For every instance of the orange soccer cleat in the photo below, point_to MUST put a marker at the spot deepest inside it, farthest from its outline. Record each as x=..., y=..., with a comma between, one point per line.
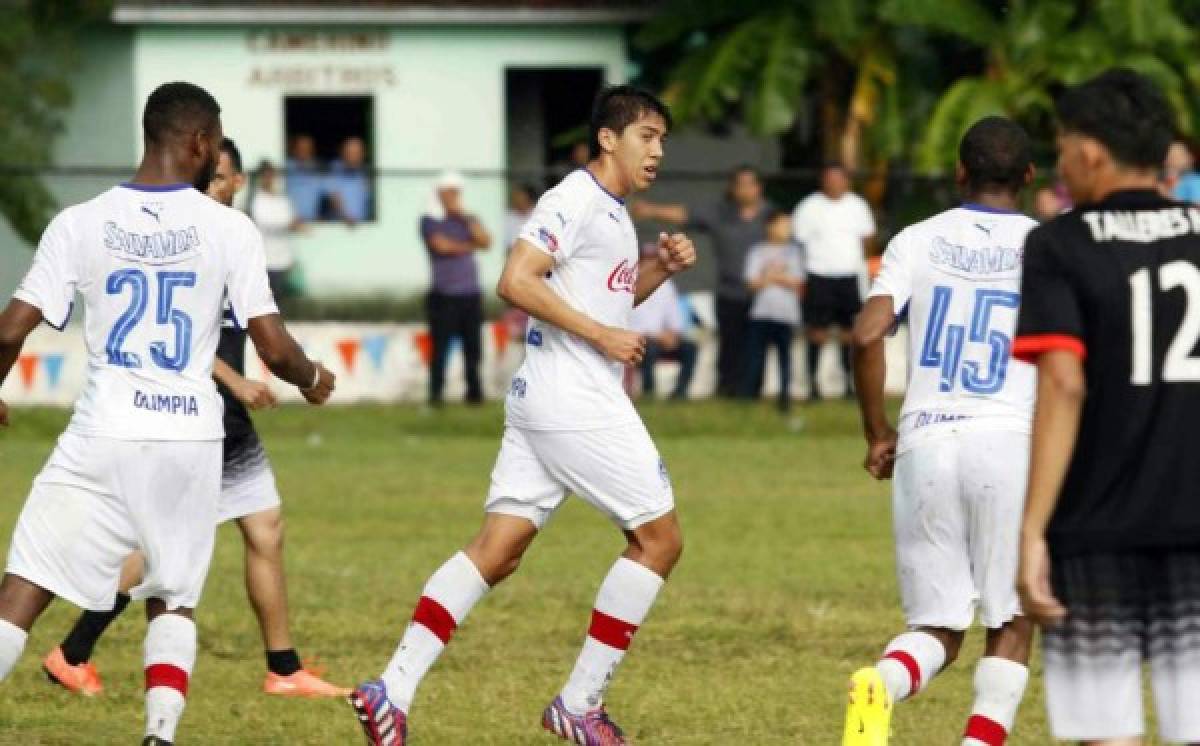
x=303, y=683
x=82, y=679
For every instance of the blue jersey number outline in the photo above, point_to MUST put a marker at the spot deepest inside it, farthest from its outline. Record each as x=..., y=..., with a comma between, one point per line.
x=166, y=314
x=948, y=356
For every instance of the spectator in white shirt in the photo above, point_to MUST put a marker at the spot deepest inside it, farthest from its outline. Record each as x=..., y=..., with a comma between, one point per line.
x=834, y=226
x=521, y=200
x=660, y=320
x=275, y=217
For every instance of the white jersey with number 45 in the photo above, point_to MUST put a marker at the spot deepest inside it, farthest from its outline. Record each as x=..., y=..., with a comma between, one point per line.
x=958, y=275
x=153, y=266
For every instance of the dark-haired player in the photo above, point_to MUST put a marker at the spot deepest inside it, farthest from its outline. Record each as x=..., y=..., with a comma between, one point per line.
x=962, y=452
x=1110, y=544
x=139, y=466
x=570, y=427
x=248, y=496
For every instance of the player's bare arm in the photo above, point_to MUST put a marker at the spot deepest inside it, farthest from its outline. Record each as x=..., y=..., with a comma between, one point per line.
x=284, y=357
x=16, y=322
x=870, y=370
x=523, y=285
x=663, y=213
x=254, y=394
x=1061, y=391
x=676, y=253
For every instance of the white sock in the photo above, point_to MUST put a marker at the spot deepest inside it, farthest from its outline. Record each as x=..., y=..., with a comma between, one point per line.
x=909, y=662
x=999, y=686
x=447, y=599
x=622, y=604
x=12, y=644
x=170, y=655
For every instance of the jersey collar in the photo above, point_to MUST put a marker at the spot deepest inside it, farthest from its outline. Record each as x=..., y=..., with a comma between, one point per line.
x=976, y=207
x=596, y=181
x=155, y=187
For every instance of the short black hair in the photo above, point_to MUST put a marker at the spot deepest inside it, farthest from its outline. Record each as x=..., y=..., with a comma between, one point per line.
x=616, y=107
x=1125, y=111
x=230, y=148
x=996, y=154
x=177, y=108
x=776, y=213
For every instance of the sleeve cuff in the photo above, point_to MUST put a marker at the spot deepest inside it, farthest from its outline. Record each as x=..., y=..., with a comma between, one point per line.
x=1029, y=347
x=47, y=314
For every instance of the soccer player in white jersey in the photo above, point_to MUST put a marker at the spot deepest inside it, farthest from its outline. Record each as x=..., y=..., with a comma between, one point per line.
x=139, y=466
x=962, y=453
x=569, y=428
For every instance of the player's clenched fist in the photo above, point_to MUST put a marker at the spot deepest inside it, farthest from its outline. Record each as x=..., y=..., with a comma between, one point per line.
x=622, y=345
x=321, y=391
x=881, y=455
x=676, y=251
x=255, y=394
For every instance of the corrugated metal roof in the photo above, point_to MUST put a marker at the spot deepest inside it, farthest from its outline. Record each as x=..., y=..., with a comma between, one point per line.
x=400, y=12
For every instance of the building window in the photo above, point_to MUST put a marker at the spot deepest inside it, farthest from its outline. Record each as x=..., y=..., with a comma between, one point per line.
x=330, y=157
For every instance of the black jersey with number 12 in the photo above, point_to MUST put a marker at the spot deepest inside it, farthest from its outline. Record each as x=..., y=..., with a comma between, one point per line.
x=1118, y=283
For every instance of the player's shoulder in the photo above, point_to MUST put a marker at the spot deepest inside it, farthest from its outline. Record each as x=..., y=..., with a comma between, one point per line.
x=572, y=196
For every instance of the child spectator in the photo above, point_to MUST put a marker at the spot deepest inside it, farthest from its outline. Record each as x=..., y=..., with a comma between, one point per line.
x=775, y=276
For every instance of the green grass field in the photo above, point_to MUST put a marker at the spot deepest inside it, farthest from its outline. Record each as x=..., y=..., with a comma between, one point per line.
x=786, y=586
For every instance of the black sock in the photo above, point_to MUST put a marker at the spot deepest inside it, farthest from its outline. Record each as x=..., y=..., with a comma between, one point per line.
x=283, y=662
x=81, y=640
x=814, y=357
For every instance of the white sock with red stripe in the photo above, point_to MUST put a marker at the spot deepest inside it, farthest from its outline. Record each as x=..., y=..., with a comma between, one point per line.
x=999, y=686
x=622, y=604
x=170, y=654
x=909, y=662
x=447, y=599
x=12, y=644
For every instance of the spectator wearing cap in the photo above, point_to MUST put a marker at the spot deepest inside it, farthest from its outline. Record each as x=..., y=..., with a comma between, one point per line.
x=454, y=306
x=660, y=319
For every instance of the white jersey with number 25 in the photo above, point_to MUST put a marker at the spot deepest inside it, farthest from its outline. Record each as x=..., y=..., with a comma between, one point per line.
x=959, y=276
x=153, y=266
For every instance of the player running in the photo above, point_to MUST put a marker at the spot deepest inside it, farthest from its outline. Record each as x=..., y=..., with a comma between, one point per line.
x=248, y=496
x=1110, y=544
x=963, y=449
x=569, y=426
x=139, y=465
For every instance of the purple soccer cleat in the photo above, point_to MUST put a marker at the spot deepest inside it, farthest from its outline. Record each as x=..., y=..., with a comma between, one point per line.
x=383, y=723
x=592, y=729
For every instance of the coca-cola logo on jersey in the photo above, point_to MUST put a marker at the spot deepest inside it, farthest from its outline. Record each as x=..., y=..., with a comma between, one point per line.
x=623, y=277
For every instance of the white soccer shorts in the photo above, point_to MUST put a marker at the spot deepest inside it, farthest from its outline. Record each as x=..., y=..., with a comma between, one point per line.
x=98, y=499
x=617, y=470
x=957, y=505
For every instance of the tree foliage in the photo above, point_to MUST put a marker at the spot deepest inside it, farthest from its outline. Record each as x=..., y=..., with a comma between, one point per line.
x=903, y=79
x=38, y=42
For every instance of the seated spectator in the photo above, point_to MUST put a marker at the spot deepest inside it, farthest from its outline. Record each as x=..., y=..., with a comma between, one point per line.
x=659, y=318
x=455, y=304
x=275, y=217
x=775, y=277
x=304, y=179
x=349, y=183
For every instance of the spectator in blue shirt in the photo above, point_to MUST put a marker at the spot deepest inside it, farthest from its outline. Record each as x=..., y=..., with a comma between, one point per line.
x=304, y=178
x=1179, y=174
x=349, y=183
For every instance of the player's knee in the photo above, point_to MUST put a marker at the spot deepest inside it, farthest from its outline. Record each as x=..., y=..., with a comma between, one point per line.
x=264, y=533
